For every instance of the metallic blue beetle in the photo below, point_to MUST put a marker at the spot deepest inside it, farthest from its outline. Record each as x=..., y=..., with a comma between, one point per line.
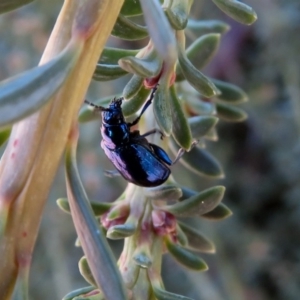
x=137, y=160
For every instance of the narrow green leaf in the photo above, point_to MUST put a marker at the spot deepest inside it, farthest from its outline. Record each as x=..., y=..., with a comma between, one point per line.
x=196, y=240
x=237, y=10
x=132, y=87
x=207, y=26
x=94, y=244
x=199, y=161
x=160, y=31
x=161, y=294
x=197, y=80
x=127, y=30
x=105, y=72
x=4, y=135
x=85, y=271
x=198, y=204
x=78, y=292
x=221, y=212
x=178, y=13
x=162, y=110
x=133, y=105
x=144, y=67
x=99, y=208
x=181, y=131
x=111, y=56
x=8, y=5
x=230, y=92
x=24, y=94
x=201, y=125
x=230, y=113
x=166, y=192
x=186, y=257
x=121, y=231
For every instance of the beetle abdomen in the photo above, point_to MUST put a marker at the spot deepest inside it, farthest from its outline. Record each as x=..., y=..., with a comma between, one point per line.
x=139, y=165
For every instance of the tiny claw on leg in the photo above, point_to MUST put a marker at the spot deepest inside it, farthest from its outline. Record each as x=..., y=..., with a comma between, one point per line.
x=181, y=151
x=111, y=173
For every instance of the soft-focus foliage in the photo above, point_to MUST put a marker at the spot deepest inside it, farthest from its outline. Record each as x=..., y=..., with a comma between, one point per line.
x=257, y=247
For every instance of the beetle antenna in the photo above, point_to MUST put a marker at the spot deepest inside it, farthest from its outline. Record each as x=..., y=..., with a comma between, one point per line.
x=95, y=107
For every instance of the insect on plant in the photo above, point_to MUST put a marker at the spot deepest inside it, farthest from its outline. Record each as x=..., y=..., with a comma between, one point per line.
x=138, y=161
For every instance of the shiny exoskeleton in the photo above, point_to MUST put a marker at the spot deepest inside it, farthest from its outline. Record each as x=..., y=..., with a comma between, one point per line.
x=137, y=160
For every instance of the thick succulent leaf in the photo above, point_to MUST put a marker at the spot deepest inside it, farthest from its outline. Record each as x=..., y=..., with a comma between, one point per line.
x=144, y=67
x=162, y=110
x=178, y=13
x=230, y=92
x=111, y=56
x=198, y=204
x=93, y=242
x=8, y=5
x=133, y=105
x=85, y=271
x=165, y=192
x=127, y=30
x=160, y=31
x=197, y=79
x=105, y=72
x=142, y=260
x=78, y=292
x=132, y=87
x=86, y=114
x=187, y=193
x=24, y=94
x=201, y=125
x=4, y=135
x=207, y=26
x=97, y=207
x=186, y=257
x=161, y=294
x=196, y=240
x=212, y=135
x=181, y=236
x=237, y=10
x=121, y=231
x=230, y=113
x=199, y=161
x=181, y=131
x=219, y=213
x=201, y=107
x=131, y=8
x=201, y=51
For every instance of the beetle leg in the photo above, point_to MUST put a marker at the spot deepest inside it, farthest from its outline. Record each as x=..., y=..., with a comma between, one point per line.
x=181, y=151
x=144, y=108
x=111, y=173
x=95, y=107
x=152, y=132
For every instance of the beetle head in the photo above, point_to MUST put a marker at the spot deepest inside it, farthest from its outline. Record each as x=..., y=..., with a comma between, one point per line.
x=113, y=115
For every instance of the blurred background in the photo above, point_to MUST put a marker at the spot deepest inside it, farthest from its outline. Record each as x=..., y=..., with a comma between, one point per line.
x=258, y=248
